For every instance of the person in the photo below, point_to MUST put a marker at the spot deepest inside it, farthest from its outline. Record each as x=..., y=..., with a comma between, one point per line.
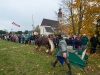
x=84, y=41
x=19, y=38
x=33, y=39
x=73, y=42
x=62, y=47
x=69, y=41
x=94, y=41
x=77, y=42
x=22, y=39
x=29, y=39
x=26, y=39
x=54, y=41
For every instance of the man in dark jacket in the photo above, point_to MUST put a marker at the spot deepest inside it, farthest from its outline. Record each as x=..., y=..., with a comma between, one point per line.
x=55, y=41
x=63, y=53
x=94, y=41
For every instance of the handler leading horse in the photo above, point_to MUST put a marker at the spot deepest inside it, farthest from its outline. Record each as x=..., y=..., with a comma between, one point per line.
x=44, y=41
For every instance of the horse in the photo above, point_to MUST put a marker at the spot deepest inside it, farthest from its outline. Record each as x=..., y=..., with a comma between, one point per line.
x=46, y=42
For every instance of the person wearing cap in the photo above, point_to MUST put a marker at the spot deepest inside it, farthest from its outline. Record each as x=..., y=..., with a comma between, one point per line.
x=63, y=53
x=84, y=41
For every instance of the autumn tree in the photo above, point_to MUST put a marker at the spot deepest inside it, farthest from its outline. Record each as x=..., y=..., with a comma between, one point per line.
x=37, y=29
x=82, y=15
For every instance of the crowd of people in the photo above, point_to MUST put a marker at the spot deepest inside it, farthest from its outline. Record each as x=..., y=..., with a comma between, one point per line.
x=24, y=39
x=79, y=42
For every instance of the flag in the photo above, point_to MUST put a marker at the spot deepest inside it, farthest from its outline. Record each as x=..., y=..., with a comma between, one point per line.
x=15, y=24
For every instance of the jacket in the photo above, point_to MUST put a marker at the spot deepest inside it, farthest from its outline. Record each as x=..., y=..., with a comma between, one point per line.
x=94, y=41
x=84, y=40
x=62, y=47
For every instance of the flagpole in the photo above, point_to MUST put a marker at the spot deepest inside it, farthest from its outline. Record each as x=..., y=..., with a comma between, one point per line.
x=12, y=29
x=33, y=23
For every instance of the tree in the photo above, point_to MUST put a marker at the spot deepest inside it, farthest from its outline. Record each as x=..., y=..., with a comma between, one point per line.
x=82, y=15
x=69, y=15
x=19, y=32
x=37, y=29
x=26, y=32
x=15, y=32
x=3, y=32
x=0, y=31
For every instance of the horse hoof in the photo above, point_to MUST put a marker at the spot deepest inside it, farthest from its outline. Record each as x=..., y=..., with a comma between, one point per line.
x=47, y=51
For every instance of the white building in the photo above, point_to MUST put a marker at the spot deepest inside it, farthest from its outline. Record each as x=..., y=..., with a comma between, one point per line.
x=48, y=26
x=46, y=30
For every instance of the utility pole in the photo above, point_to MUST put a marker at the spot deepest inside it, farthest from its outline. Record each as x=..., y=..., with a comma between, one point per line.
x=33, y=24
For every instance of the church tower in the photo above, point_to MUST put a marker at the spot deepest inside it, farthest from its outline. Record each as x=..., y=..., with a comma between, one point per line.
x=60, y=19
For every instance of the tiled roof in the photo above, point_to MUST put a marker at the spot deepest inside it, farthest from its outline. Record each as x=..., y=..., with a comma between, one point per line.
x=52, y=23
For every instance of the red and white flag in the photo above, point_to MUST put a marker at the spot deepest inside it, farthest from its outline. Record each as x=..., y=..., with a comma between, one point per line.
x=15, y=24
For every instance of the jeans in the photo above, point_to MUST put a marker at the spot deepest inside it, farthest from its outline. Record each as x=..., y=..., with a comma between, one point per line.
x=84, y=47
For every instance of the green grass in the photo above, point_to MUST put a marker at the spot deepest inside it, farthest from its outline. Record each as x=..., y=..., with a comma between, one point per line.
x=20, y=59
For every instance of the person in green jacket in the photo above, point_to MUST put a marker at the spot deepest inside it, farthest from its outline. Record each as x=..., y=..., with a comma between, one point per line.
x=62, y=54
x=26, y=39
x=84, y=41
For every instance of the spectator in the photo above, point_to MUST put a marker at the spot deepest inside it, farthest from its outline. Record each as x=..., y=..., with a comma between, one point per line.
x=73, y=42
x=19, y=38
x=84, y=41
x=56, y=41
x=14, y=38
x=33, y=39
x=77, y=42
x=69, y=40
x=29, y=39
x=26, y=39
x=22, y=39
x=94, y=41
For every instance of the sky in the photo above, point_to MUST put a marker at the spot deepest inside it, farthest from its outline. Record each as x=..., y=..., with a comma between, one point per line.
x=21, y=11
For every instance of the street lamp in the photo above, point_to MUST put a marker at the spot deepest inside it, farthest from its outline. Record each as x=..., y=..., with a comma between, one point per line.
x=98, y=26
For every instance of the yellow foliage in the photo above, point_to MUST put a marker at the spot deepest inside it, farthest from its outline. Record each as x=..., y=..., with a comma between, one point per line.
x=89, y=11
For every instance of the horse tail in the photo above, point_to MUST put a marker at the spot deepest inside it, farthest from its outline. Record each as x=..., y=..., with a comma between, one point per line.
x=51, y=45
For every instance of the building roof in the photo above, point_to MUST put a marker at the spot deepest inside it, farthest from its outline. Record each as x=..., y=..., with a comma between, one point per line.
x=52, y=23
x=49, y=29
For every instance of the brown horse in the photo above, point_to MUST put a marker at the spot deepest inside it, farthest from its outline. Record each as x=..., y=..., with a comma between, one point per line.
x=44, y=41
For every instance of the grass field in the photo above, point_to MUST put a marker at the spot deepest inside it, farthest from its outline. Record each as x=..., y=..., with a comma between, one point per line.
x=20, y=59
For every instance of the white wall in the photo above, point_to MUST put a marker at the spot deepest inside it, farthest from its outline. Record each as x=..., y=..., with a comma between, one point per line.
x=43, y=30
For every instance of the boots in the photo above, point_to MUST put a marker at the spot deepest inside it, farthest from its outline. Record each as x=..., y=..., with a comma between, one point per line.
x=69, y=72
x=54, y=63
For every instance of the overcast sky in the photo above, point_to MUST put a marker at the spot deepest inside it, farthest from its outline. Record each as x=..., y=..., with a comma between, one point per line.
x=21, y=11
